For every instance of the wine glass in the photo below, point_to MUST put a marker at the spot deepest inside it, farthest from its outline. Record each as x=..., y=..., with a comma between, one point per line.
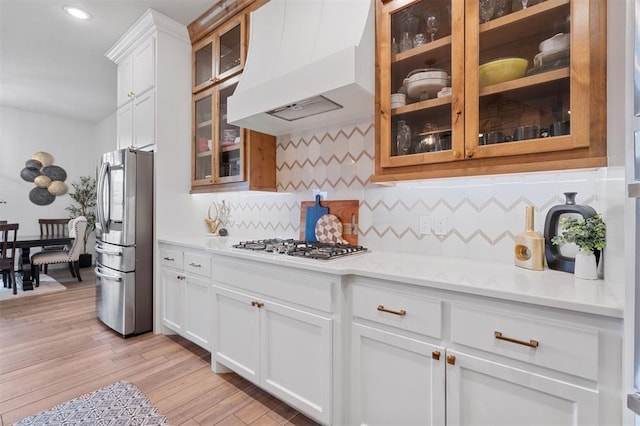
x=432, y=25
x=525, y=3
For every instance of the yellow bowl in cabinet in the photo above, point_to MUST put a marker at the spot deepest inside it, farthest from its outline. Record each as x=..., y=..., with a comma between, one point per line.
x=502, y=70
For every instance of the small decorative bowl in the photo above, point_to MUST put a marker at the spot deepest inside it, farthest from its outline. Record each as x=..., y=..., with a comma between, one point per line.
x=502, y=70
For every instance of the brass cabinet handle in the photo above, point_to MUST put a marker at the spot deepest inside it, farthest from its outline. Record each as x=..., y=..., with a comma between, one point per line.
x=456, y=153
x=470, y=153
x=451, y=359
x=195, y=265
x=170, y=259
x=401, y=312
x=257, y=304
x=435, y=355
x=531, y=343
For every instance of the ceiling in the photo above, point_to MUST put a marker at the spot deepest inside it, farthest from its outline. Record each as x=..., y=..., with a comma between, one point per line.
x=53, y=64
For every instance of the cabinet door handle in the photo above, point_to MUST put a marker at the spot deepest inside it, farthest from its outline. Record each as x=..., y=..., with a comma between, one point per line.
x=195, y=265
x=170, y=259
x=435, y=355
x=470, y=153
x=401, y=312
x=257, y=304
x=180, y=277
x=531, y=343
x=451, y=359
x=456, y=153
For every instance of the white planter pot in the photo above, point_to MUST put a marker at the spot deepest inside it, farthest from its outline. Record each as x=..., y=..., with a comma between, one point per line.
x=585, y=266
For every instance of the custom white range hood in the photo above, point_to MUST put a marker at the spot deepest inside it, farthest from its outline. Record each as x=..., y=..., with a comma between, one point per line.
x=310, y=63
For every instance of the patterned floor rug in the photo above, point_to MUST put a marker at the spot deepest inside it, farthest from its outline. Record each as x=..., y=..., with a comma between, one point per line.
x=120, y=404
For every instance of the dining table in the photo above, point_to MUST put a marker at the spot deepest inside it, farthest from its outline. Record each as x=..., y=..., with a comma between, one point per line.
x=26, y=242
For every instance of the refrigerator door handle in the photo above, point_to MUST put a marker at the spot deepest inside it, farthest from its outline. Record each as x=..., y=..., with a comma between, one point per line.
x=110, y=252
x=107, y=276
x=103, y=205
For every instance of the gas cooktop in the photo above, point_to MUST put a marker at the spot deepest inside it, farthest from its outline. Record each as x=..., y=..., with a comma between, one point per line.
x=308, y=249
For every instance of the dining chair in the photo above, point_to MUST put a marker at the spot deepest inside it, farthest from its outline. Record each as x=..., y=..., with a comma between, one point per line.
x=54, y=227
x=77, y=227
x=9, y=232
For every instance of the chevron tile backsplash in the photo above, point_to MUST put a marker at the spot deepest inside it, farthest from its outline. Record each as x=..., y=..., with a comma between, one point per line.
x=481, y=214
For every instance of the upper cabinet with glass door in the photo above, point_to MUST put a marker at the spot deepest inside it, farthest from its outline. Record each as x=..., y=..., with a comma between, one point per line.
x=503, y=86
x=220, y=55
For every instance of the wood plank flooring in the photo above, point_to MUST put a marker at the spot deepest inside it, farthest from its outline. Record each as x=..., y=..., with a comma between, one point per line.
x=53, y=348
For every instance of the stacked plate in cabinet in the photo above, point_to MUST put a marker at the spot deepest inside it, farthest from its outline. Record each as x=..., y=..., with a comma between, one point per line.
x=555, y=52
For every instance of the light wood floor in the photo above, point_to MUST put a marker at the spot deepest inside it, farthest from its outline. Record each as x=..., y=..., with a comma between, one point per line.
x=53, y=348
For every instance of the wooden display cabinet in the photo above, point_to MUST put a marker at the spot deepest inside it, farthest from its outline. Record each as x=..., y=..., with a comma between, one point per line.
x=472, y=130
x=225, y=157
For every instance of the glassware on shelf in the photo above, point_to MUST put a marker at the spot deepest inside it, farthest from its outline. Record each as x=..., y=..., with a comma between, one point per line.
x=403, y=138
x=419, y=39
x=501, y=8
x=405, y=42
x=487, y=9
x=395, y=48
x=525, y=3
x=433, y=24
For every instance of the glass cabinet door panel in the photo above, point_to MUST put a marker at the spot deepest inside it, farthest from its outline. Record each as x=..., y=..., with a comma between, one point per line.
x=420, y=86
x=230, y=48
x=203, y=138
x=524, y=90
x=229, y=140
x=203, y=66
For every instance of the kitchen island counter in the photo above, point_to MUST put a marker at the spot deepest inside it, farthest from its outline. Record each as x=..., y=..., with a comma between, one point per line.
x=500, y=280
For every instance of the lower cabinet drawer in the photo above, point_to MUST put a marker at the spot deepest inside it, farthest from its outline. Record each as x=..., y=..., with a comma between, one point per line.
x=171, y=258
x=197, y=264
x=558, y=346
x=401, y=310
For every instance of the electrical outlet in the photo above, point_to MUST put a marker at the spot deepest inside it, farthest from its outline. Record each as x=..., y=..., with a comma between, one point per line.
x=425, y=225
x=440, y=225
x=323, y=194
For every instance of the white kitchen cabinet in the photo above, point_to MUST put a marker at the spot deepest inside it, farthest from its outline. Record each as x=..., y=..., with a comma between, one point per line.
x=186, y=290
x=396, y=379
x=418, y=353
x=269, y=337
x=173, y=300
x=136, y=72
x=153, y=75
x=485, y=392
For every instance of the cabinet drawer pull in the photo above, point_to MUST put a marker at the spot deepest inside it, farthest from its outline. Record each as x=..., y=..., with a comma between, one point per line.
x=531, y=343
x=195, y=265
x=435, y=355
x=257, y=304
x=401, y=312
x=170, y=259
x=451, y=359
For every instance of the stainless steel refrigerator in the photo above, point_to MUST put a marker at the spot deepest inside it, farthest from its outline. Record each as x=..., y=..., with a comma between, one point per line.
x=124, y=241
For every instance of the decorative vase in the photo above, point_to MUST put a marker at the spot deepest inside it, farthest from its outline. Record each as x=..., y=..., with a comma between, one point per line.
x=585, y=266
x=555, y=259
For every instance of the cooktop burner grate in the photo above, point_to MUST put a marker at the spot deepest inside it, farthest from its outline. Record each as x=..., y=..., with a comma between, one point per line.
x=308, y=249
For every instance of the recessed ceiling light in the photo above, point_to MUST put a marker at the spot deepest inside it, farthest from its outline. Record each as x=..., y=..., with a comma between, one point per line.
x=77, y=12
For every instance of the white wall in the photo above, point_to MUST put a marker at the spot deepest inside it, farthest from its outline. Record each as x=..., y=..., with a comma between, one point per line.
x=22, y=134
x=105, y=136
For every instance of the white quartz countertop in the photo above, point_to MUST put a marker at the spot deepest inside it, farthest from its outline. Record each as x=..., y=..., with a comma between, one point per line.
x=500, y=280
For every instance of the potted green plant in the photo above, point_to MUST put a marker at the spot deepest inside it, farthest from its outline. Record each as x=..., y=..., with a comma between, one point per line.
x=84, y=195
x=589, y=235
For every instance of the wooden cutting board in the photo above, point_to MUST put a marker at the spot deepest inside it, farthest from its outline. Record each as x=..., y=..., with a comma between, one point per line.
x=345, y=210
